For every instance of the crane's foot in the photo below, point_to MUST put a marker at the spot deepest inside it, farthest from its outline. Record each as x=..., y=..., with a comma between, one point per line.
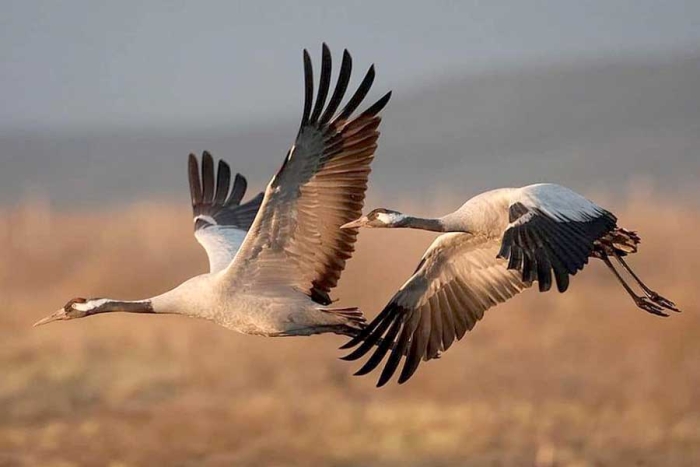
x=649, y=306
x=662, y=301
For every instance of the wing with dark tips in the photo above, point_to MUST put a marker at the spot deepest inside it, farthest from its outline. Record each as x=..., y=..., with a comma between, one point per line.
x=552, y=231
x=296, y=239
x=220, y=221
x=458, y=279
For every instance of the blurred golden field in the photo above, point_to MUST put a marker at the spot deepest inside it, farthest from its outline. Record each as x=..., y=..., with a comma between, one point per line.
x=580, y=379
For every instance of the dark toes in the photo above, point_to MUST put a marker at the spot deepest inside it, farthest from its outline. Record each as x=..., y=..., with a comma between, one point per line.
x=650, y=307
x=664, y=302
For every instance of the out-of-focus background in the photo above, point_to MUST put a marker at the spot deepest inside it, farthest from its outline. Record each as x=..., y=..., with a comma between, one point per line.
x=101, y=103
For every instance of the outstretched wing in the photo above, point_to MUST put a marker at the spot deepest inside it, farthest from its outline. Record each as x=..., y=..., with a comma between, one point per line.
x=458, y=279
x=552, y=229
x=296, y=239
x=220, y=220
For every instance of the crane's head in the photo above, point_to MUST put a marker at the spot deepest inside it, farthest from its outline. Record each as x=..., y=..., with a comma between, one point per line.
x=378, y=218
x=75, y=308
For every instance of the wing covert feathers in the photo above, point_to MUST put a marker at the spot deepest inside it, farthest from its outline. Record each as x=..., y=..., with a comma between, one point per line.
x=214, y=200
x=458, y=279
x=296, y=238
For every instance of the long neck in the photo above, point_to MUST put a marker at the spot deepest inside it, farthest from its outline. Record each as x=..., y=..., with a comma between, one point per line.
x=422, y=223
x=453, y=222
x=191, y=298
x=108, y=305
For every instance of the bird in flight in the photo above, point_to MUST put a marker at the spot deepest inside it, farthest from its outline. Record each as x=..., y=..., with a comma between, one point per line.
x=493, y=247
x=274, y=260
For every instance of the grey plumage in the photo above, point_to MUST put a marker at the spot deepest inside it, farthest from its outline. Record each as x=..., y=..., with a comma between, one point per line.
x=278, y=282
x=220, y=200
x=220, y=220
x=296, y=238
x=498, y=244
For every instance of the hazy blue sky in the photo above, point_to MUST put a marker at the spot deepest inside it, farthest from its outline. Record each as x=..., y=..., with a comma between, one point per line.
x=78, y=64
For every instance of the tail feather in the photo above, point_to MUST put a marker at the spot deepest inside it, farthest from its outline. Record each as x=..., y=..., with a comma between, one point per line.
x=625, y=241
x=352, y=316
x=619, y=241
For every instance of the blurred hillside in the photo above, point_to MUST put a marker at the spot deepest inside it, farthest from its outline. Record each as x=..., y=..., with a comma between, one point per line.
x=595, y=124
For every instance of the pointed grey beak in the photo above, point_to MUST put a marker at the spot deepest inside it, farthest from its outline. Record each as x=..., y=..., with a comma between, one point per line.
x=356, y=223
x=58, y=316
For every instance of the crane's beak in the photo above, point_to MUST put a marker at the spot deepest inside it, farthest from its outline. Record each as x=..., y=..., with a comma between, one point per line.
x=361, y=222
x=58, y=316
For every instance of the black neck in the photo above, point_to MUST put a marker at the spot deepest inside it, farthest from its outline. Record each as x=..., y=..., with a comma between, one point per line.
x=433, y=225
x=124, y=306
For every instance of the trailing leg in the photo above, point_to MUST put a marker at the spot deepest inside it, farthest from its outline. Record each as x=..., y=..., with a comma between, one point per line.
x=655, y=297
x=642, y=302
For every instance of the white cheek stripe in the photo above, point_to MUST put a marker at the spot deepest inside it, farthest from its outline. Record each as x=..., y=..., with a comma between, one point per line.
x=387, y=218
x=90, y=305
x=384, y=218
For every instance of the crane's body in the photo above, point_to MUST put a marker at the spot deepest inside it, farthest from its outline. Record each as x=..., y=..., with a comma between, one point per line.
x=278, y=311
x=274, y=313
x=483, y=213
x=488, y=213
x=494, y=246
x=274, y=259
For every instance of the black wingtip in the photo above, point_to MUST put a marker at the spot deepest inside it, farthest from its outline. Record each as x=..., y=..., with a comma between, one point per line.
x=377, y=106
x=308, y=88
x=382, y=348
x=385, y=377
x=406, y=374
x=240, y=185
x=352, y=342
x=192, y=168
x=359, y=95
x=207, y=177
x=324, y=83
x=193, y=176
x=207, y=159
x=368, y=340
x=223, y=182
x=410, y=365
x=371, y=363
x=340, y=87
x=382, y=382
x=354, y=355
